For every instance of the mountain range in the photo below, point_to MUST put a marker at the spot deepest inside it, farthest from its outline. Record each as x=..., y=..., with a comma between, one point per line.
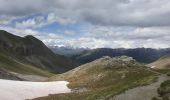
x=93, y=74
x=142, y=55
x=67, y=50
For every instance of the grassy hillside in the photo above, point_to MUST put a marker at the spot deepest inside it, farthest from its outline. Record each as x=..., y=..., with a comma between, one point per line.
x=103, y=78
x=13, y=65
x=29, y=55
x=162, y=63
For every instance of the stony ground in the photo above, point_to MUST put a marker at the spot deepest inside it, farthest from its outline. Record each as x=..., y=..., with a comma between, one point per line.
x=7, y=75
x=34, y=78
x=143, y=92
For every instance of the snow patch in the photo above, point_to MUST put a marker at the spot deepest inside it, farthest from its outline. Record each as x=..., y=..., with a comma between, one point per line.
x=153, y=66
x=21, y=90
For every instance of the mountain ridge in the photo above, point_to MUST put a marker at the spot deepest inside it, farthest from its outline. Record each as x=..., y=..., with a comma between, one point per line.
x=142, y=55
x=29, y=52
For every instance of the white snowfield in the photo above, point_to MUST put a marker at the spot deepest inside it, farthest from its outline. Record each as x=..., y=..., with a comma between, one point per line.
x=22, y=90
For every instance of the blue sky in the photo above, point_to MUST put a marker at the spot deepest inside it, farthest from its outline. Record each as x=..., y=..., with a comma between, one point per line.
x=91, y=23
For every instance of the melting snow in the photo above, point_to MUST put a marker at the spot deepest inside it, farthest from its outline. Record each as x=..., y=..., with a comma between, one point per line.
x=153, y=66
x=21, y=90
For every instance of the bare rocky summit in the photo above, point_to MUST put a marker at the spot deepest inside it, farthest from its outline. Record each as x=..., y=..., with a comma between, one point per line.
x=111, y=62
x=118, y=61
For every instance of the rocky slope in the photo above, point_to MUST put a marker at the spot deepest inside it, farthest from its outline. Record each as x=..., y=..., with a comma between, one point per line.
x=7, y=75
x=28, y=55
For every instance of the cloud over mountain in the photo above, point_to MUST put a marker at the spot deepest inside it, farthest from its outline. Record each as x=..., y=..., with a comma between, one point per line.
x=96, y=23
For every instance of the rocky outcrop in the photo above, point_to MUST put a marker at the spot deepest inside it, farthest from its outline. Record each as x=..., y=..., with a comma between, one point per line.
x=21, y=49
x=120, y=61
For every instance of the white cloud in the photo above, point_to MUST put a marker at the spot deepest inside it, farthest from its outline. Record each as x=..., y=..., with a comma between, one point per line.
x=52, y=17
x=40, y=21
x=99, y=37
x=69, y=32
x=109, y=23
x=143, y=13
x=35, y=22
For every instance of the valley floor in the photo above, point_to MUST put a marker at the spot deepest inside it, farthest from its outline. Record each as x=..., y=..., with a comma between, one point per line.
x=21, y=90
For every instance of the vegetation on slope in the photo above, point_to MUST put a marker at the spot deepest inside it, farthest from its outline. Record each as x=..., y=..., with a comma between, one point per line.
x=103, y=78
x=143, y=55
x=29, y=55
x=162, y=63
x=163, y=71
x=164, y=91
x=13, y=65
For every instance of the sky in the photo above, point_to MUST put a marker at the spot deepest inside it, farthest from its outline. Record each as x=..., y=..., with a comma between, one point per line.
x=90, y=23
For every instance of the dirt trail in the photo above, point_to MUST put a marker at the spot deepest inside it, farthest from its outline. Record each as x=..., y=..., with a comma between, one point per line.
x=142, y=92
